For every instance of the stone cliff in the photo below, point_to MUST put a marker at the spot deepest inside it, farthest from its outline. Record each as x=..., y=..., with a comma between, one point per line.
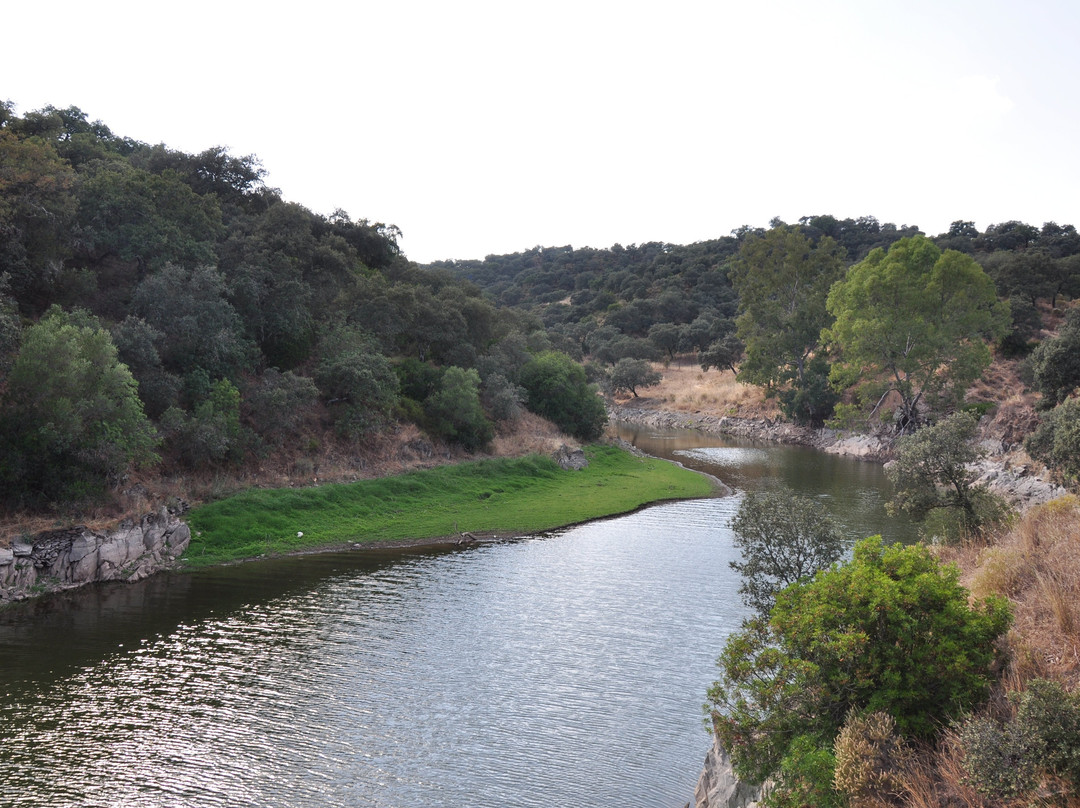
x=62, y=559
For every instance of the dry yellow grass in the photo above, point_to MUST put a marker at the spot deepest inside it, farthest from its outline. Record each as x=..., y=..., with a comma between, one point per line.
x=685, y=387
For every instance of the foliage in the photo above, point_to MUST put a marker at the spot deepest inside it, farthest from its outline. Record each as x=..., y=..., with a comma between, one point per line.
x=1056, y=441
x=356, y=382
x=723, y=354
x=501, y=398
x=783, y=538
x=891, y=630
x=913, y=321
x=812, y=401
x=71, y=419
x=276, y=404
x=1055, y=362
x=932, y=474
x=453, y=412
x=556, y=389
x=506, y=496
x=1043, y=738
x=630, y=374
x=783, y=279
x=211, y=435
x=200, y=329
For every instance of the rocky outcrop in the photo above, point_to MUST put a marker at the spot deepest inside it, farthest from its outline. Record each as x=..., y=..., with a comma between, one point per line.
x=62, y=559
x=571, y=459
x=757, y=428
x=718, y=787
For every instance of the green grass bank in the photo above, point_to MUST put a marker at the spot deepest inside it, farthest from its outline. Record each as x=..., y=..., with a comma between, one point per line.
x=515, y=496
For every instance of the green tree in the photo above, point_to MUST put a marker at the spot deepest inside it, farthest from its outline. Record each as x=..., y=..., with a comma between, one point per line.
x=71, y=419
x=783, y=278
x=556, y=388
x=933, y=479
x=891, y=630
x=453, y=412
x=630, y=374
x=913, y=321
x=1056, y=441
x=724, y=354
x=783, y=538
x=355, y=380
x=210, y=436
x=1055, y=362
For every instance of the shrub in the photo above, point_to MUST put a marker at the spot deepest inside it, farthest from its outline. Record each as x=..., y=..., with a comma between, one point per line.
x=1043, y=738
x=870, y=759
x=1056, y=441
x=454, y=413
x=556, y=389
x=891, y=630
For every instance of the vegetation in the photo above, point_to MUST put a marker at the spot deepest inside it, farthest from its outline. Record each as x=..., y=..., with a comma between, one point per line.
x=503, y=496
x=913, y=321
x=934, y=480
x=783, y=538
x=889, y=631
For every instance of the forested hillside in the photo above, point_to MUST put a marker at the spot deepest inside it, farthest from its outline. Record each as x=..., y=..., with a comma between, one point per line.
x=170, y=311
x=851, y=322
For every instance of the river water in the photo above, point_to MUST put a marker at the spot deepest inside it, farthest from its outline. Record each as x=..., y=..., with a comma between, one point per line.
x=563, y=670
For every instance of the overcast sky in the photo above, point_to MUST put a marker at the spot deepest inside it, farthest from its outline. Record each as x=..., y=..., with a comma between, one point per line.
x=492, y=127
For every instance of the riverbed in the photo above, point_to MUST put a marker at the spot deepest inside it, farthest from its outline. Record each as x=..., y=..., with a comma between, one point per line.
x=566, y=669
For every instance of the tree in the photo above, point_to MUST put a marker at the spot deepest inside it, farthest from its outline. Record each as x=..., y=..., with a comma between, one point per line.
x=453, y=412
x=891, y=630
x=556, y=388
x=1055, y=362
x=724, y=354
x=357, y=383
x=71, y=420
x=630, y=374
x=1056, y=441
x=913, y=321
x=783, y=538
x=212, y=434
x=783, y=279
x=933, y=477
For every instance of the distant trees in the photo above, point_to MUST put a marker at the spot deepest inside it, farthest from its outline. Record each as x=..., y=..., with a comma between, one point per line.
x=913, y=321
x=630, y=374
x=1055, y=363
x=783, y=279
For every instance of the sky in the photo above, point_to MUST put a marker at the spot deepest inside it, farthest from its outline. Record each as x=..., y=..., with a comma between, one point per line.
x=483, y=128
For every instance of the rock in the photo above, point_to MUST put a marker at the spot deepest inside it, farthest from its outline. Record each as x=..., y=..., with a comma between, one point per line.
x=570, y=459
x=76, y=556
x=718, y=787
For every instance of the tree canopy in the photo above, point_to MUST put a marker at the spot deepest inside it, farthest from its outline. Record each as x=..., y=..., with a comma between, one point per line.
x=913, y=321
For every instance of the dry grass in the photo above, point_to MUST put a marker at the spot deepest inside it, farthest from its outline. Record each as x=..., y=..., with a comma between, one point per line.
x=685, y=387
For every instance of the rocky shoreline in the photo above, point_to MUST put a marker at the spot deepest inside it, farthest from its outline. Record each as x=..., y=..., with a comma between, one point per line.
x=71, y=557
x=1003, y=469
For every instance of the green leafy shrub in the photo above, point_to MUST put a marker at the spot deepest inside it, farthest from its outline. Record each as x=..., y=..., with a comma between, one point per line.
x=1056, y=441
x=210, y=436
x=891, y=630
x=1043, y=738
x=556, y=389
x=453, y=412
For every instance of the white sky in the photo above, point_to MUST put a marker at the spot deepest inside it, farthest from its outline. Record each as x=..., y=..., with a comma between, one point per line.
x=491, y=127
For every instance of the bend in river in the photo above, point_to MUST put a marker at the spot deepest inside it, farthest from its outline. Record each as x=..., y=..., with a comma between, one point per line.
x=559, y=670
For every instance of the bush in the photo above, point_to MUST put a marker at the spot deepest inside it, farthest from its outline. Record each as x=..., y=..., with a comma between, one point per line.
x=453, y=412
x=1056, y=441
x=556, y=389
x=278, y=402
x=870, y=759
x=212, y=434
x=1055, y=363
x=890, y=631
x=1043, y=738
x=71, y=420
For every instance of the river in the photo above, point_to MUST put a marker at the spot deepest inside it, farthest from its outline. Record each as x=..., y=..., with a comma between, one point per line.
x=563, y=670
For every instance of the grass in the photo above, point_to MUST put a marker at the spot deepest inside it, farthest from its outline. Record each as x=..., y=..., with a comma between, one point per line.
x=524, y=495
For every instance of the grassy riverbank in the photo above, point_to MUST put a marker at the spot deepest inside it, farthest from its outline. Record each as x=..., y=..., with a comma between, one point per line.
x=523, y=495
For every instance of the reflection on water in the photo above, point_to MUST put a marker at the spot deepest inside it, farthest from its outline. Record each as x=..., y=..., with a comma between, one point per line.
x=560, y=670
x=854, y=492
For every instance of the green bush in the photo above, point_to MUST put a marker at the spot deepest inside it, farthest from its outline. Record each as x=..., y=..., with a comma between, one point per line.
x=453, y=412
x=1056, y=441
x=891, y=630
x=556, y=389
x=1043, y=738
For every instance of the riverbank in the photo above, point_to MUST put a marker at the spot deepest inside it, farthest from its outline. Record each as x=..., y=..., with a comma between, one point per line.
x=459, y=503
